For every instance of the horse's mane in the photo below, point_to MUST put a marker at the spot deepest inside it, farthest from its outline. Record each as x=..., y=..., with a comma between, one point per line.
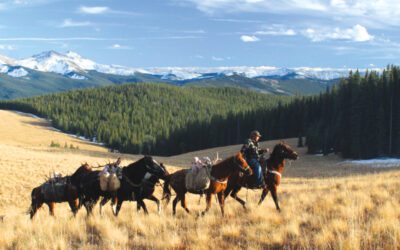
x=84, y=168
x=275, y=150
x=223, y=162
x=138, y=162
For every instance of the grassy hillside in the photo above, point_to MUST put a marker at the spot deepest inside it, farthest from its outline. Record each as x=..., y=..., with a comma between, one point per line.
x=342, y=207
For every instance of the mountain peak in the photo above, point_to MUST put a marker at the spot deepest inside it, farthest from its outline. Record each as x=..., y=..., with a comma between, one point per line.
x=47, y=54
x=72, y=54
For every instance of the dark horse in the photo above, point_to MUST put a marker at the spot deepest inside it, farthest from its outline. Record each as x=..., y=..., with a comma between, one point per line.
x=69, y=193
x=220, y=174
x=138, y=182
x=88, y=184
x=272, y=171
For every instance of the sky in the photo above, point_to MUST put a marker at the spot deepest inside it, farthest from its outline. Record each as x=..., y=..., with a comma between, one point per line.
x=207, y=33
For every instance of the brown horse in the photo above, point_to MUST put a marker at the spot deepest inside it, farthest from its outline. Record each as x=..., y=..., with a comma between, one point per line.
x=272, y=170
x=220, y=173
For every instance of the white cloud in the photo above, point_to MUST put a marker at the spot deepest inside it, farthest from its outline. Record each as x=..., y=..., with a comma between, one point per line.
x=213, y=6
x=217, y=58
x=119, y=46
x=248, y=39
x=357, y=33
x=194, y=31
x=51, y=39
x=13, y=4
x=70, y=23
x=276, y=31
x=7, y=47
x=93, y=10
x=360, y=11
x=229, y=20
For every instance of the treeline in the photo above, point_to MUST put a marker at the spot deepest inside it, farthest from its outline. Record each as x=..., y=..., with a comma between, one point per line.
x=150, y=118
x=358, y=118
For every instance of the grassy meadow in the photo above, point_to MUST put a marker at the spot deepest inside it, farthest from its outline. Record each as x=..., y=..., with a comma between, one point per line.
x=326, y=204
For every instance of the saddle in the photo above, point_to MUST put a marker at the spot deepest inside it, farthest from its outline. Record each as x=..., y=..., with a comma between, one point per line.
x=197, y=178
x=54, y=188
x=110, y=180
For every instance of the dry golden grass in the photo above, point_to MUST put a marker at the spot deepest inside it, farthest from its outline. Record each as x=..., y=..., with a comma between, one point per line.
x=324, y=205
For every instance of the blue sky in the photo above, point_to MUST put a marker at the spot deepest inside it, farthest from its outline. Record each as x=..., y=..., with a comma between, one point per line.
x=152, y=33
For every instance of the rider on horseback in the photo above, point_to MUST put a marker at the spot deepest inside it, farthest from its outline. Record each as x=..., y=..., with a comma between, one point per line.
x=252, y=154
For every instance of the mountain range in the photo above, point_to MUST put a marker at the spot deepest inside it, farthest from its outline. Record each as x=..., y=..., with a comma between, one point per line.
x=52, y=71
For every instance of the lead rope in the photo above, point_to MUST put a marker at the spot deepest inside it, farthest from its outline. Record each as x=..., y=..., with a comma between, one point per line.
x=247, y=193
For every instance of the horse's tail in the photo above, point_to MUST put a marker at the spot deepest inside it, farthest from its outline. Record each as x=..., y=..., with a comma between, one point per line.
x=166, y=190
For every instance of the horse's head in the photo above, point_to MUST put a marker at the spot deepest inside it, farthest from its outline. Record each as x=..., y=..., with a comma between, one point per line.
x=282, y=150
x=242, y=163
x=155, y=168
x=83, y=169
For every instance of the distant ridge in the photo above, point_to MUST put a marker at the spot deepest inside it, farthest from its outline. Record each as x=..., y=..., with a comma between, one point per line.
x=52, y=71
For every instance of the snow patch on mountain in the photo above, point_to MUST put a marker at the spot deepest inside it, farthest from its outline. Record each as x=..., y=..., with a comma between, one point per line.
x=376, y=163
x=77, y=77
x=18, y=72
x=3, y=69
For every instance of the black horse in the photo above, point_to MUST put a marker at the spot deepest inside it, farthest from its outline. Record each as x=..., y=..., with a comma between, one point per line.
x=138, y=182
x=88, y=184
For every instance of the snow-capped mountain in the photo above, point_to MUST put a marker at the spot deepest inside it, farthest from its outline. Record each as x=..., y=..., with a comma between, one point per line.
x=71, y=62
x=51, y=71
x=52, y=61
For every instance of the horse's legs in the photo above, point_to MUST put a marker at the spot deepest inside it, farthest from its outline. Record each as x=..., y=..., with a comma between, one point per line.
x=103, y=202
x=175, y=201
x=34, y=207
x=183, y=203
x=208, y=201
x=51, y=207
x=263, y=195
x=153, y=198
x=74, y=205
x=275, y=197
x=221, y=200
x=89, y=204
x=117, y=207
x=143, y=205
x=114, y=204
x=234, y=193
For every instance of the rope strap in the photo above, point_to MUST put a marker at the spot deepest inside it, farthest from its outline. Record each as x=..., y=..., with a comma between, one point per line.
x=275, y=172
x=219, y=181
